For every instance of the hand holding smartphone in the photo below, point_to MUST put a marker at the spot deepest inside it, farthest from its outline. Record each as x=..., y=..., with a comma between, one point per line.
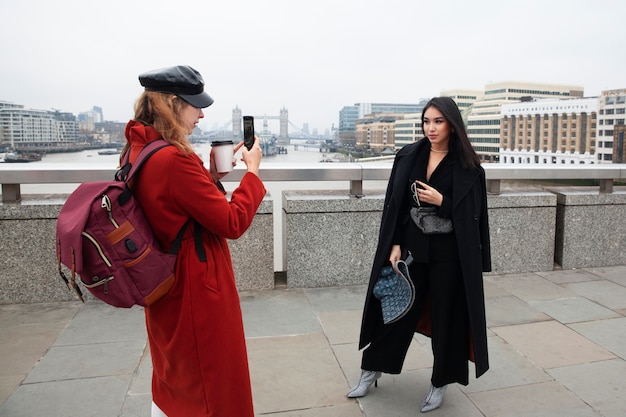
x=248, y=131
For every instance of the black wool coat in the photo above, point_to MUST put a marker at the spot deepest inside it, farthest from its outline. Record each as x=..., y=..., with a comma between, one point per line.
x=469, y=215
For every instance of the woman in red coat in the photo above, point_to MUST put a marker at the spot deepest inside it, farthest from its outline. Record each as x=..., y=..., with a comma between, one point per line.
x=443, y=172
x=197, y=343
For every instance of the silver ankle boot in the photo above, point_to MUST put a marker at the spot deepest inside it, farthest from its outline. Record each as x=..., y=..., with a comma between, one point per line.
x=362, y=388
x=433, y=399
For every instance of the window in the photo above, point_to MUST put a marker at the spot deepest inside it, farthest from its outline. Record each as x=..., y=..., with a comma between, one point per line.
x=619, y=121
x=621, y=110
x=610, y=111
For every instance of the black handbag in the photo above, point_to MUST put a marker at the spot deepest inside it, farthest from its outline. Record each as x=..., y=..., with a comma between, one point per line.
x=426, y=219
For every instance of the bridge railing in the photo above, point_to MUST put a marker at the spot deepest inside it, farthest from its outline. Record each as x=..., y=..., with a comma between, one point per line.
x=13, y=176
x=318, y=225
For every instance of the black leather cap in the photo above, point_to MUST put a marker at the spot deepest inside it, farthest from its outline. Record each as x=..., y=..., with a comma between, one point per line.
x=182, y=80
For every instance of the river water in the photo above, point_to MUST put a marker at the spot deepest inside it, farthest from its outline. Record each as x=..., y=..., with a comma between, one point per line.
x=303, y=155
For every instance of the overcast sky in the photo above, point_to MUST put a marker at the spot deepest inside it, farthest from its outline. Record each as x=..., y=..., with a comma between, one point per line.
x=312, y=57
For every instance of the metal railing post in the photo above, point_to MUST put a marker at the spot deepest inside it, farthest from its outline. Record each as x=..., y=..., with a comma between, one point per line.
x=356, y=188
x=606, y=186
x=11, y=193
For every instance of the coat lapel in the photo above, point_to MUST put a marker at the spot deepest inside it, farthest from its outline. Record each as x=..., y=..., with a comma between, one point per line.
x=463, y=180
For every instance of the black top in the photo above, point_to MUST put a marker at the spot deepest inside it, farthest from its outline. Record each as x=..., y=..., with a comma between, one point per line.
x=428, y=248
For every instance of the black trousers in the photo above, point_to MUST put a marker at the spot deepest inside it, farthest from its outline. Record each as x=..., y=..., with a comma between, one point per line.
x=443, y=283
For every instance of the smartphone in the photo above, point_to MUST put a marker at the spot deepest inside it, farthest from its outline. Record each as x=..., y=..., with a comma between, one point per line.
x=248, y=131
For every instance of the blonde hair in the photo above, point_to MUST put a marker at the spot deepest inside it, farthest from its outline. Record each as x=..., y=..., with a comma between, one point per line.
x=163, y=112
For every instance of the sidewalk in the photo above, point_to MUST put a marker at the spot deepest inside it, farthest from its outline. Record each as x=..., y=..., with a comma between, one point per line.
x=557, y=345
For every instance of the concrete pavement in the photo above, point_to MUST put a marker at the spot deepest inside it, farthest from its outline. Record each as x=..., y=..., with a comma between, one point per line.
x=557, y=344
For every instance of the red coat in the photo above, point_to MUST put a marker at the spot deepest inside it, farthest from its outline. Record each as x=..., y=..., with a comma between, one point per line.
x=196, y=331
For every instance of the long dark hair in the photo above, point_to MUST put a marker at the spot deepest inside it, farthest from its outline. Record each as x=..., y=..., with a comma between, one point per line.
x=459, y=141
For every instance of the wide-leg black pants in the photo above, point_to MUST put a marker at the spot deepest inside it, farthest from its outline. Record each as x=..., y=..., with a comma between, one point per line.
x=450, y=338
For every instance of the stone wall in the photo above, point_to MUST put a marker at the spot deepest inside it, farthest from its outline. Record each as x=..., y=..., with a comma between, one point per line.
x=29, y=267
x=522, y=228
x=591, y=229
x=331, y=237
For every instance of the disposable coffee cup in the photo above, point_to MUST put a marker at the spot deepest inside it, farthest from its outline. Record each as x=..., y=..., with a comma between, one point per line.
x=223, y=154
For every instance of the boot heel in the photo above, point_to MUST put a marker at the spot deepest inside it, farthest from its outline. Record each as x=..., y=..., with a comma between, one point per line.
x=365, y=382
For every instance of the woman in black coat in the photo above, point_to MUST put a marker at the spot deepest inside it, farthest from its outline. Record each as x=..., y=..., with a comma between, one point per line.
x=442, y=171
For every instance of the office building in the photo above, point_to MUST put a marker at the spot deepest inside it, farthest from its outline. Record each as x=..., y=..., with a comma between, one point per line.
x=377, y=132
x=348, y=115
x=87, y=120
x=22, y=128
x=483, y=122
x=408, y=130
x=612, y=112
x=464, y=99
x=549, y=131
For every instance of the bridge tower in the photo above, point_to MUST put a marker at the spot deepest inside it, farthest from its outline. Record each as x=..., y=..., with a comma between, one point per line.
x=283, y=118
x=237, y=122
x=284, y=126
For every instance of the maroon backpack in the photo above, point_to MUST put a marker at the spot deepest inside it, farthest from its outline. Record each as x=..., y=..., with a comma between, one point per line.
x=103, y=236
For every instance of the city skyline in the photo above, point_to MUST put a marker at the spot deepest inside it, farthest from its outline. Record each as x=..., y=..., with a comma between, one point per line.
x=312, y=59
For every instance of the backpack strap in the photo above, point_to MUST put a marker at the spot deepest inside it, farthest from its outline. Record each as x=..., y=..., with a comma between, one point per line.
x=197, y=237
x=129, y=170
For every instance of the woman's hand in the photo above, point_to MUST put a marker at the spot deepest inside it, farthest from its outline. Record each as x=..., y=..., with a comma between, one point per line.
x=428, y=194
x=252, y=157
x=394, y=256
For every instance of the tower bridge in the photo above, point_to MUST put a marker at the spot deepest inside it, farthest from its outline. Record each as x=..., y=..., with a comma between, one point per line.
x=284, y=124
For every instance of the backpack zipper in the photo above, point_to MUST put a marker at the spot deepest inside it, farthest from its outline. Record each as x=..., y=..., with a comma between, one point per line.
x=98, y=248
x=106, y=204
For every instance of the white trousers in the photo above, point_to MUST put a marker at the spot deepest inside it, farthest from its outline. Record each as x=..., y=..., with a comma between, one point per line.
x=156, y=411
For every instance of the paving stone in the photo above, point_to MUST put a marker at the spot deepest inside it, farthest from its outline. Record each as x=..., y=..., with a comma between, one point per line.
x=508, y=310
x=606, y=293
x=602, y=385
x=573, y=310
x=531, y=287
x=551, y=344
x=610, y=334
x=545, y=399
